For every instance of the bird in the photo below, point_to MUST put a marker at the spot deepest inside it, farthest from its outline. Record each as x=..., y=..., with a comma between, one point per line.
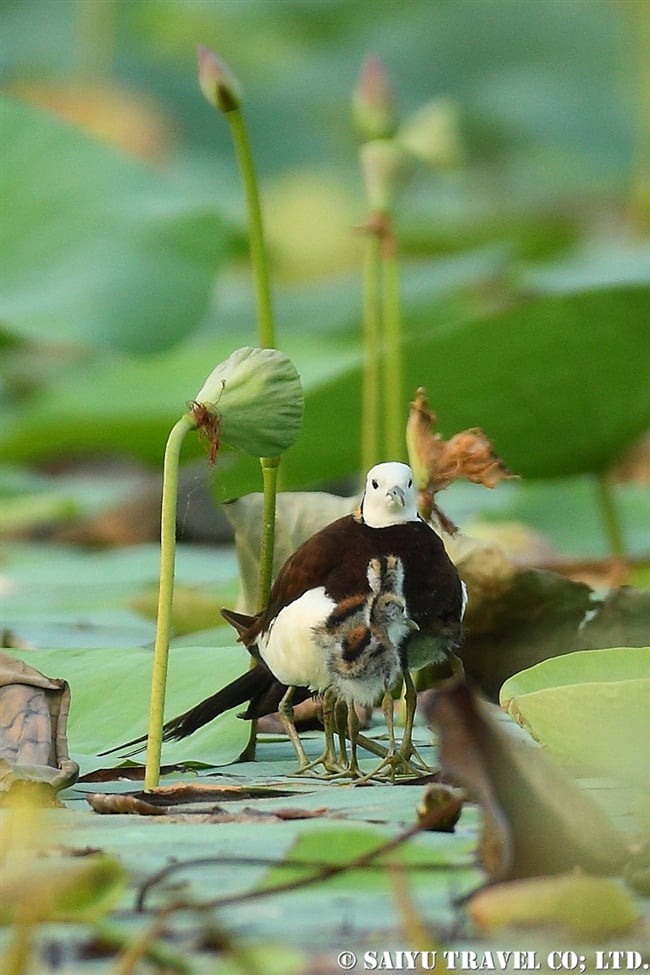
x=360, y=643
x=328, y=568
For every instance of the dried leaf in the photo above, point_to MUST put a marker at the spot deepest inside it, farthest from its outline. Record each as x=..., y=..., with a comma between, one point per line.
x=536, y=819
x=518, y=618
x=113, y=803
x=178, y=794
x=588, y=906
x=289, y=813
x=437, y=462
x=621, y=620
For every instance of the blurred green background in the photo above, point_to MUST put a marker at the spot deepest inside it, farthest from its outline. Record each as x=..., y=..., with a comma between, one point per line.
x=525, y=266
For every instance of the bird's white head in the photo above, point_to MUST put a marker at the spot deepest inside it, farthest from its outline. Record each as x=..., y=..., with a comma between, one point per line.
x=390, y=497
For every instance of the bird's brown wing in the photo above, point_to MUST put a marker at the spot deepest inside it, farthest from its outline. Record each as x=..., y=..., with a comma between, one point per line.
x=310, y=566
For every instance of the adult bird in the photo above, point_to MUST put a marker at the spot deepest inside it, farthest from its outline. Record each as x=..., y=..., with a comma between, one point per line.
x=328, y=568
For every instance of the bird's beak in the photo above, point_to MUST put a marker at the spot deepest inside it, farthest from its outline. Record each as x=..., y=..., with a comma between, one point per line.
x=396, y=495
x=411, y=624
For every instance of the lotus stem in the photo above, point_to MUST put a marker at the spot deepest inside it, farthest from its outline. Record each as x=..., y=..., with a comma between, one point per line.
x=266, y=327
x=270, y=466
x=611, y=518
x=370, y=425
x=393, y=385
x=165, y=597
x=259, y=259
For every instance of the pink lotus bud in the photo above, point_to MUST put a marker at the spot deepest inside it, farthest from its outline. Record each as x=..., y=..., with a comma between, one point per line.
x=217, y=81
x=373, y=101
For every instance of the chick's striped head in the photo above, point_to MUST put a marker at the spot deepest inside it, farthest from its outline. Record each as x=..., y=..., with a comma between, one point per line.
x=362, y=635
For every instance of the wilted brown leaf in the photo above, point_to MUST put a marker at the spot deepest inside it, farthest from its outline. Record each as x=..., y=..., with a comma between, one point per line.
x=178, y=794
x=622, y=619
x=437, y=462
x=112, y=804
x=536, y=819
x=517, y=618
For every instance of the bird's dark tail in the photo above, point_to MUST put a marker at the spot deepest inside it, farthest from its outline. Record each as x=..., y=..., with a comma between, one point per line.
x=257, y=686
x=247, y=688
x=240, y=621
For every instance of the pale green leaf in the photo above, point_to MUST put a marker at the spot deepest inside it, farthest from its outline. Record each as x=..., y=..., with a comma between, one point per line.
x=97, y=249
x=591, y=709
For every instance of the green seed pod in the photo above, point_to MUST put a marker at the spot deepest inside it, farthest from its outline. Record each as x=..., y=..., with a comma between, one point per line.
x=257, y=400
x=385, y=167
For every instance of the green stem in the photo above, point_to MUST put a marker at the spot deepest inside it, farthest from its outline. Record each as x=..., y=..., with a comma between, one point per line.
x=259, y=259
x=96, y=33
x=394, y=407
x=639, y=203
x=371, y=350
x=610, y=515
x=262, y=278
x=270, y=466
x=265, y=322
x=165, y=597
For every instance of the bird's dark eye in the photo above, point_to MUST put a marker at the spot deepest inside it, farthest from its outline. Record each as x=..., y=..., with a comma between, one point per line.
x=375, y=485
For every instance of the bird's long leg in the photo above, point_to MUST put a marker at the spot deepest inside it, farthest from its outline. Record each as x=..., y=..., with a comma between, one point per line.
x=389, y=717
x=341, y=717
x=376, y=749
x=328, y=759
x=285, y=710
x=407, y=749
x=392, y=760
x=353, y=733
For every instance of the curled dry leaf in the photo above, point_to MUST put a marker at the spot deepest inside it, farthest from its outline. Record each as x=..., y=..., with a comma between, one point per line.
x=178, y=794
x=437, y=462
x=537, y=821
x=112, y=804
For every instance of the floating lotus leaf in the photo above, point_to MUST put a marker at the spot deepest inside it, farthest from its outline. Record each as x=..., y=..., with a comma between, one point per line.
x=590, y=709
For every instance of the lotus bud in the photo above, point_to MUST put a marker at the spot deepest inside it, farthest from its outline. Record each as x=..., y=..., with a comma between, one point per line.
x=432, y=133
x=252, y=401
x=385, y=167
x=218, y=83
x=373, y=101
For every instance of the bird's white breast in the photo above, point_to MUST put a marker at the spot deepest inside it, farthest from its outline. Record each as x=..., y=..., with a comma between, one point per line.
x=288, y=646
